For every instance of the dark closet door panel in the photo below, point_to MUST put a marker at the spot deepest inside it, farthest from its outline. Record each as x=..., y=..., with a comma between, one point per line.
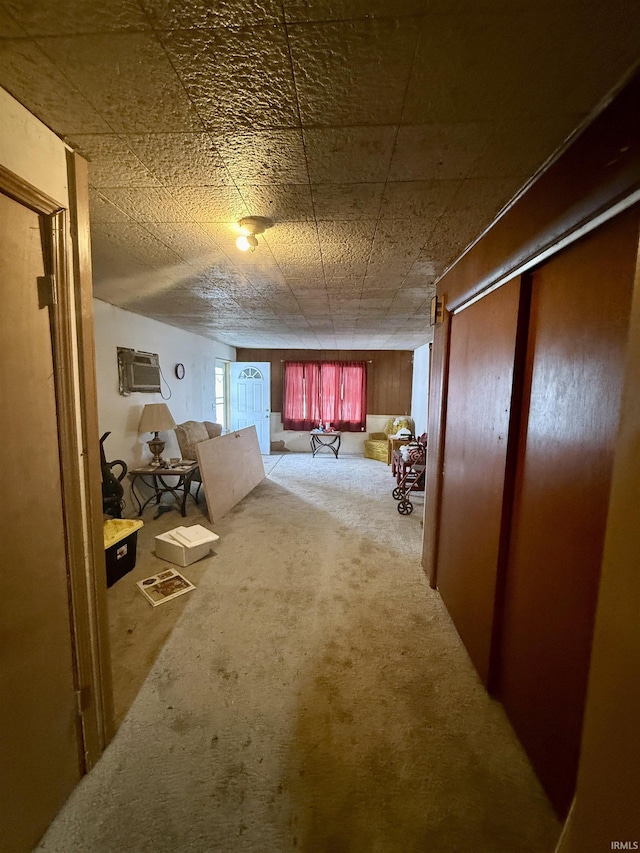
x=579, y=315
x=483, y=340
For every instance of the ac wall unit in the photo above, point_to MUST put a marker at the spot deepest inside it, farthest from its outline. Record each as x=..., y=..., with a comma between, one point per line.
x=138, y=371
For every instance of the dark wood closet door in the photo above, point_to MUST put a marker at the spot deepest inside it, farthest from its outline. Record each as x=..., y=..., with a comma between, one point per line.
x=483, y=342
x=576, y=347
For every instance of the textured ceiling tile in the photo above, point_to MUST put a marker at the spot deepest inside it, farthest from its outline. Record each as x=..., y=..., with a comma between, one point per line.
x=346, y=10
x=9, y=26
x=349, y=155
x=177, y=303
x=423, y=200
x=297, y=254
x=395, y=243
x=264, y=157
x=303, y=289
x=248, y=262
x=347, y=201
x=128, y=79
x=27, y=73
x=382, y=294
x=198, y=14
x=369, y=303
x=580, y=52
x=424, y=288
x=316, y=314
x=438, y=151
x=122, y=287
x=424, y=189
x=102, y=210
x=338, y=278
x=211, y=204
x=280, y=202
x=485, y=194
x=237, y=78
x=200, y=287
x=425, y=267
x=284, y=234
x=221, y=280
x=112, y=264
x=413, y=295
x=475, y=206
x=517, y=62
x=297, y=322
x=181, y=159
x=519, y=148
x=187, y=240
x=128, y=290
x=346, y=231
x=354, y=271
x=347, y=254
x=265, y=277
x=344, y=302
x=465, y=68
x=146, y=204
x=111, y=162
x=260, y=281
x=70, y=17
x=309, y=272
x=386, y=276
x=140, y=243
x=352, y=73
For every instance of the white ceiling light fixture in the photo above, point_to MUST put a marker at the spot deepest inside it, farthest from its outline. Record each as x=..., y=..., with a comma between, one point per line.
x=250, y=226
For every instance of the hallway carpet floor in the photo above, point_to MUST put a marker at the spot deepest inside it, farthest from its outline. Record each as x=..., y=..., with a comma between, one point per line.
x=313, y=696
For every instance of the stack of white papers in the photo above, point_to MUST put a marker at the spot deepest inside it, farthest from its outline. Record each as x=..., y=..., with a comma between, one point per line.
x=192, y=536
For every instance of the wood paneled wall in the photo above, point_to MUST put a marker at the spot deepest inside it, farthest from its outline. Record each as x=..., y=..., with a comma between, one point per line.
x=389, y=374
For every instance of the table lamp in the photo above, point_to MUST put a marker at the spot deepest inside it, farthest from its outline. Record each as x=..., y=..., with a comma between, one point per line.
x=156, y=417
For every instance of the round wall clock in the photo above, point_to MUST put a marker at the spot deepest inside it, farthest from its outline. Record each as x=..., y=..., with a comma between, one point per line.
x=179, y=371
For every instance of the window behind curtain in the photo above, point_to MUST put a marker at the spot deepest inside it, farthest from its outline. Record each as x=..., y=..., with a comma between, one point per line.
x=222, y=393
x=333, y=392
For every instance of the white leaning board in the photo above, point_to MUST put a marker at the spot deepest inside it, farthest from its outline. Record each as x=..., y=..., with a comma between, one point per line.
x=230, y=466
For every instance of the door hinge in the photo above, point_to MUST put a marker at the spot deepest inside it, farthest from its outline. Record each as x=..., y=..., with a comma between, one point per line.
x=47, y=291
x=83, y=699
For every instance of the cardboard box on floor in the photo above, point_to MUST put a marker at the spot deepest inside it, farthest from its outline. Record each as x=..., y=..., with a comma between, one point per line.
x=185, y=545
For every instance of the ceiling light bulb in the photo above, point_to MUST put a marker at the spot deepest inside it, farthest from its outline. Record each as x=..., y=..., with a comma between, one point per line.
x=246, y=242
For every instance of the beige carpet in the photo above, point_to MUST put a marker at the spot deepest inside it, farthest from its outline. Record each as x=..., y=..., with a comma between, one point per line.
x=312, y=697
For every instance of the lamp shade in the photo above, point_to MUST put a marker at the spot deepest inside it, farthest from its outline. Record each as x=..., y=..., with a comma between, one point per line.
x=156, y=417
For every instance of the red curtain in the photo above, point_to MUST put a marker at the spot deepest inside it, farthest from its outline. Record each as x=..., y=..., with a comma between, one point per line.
x=353, y=413
x=332, y=392
x=293, y=414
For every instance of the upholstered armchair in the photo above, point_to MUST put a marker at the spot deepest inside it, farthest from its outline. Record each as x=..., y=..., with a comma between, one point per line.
x=375, y=447
x=191, y=433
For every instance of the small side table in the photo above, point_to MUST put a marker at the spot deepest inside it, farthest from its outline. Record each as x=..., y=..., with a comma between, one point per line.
x=393, y=443
x=321, y=438
x=157, y=479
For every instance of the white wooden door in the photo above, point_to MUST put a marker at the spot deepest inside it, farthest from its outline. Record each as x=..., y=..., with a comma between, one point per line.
x=251, y=399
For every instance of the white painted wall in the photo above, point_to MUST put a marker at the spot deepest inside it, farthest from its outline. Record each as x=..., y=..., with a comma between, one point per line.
x=420, y=388
x=192, y=398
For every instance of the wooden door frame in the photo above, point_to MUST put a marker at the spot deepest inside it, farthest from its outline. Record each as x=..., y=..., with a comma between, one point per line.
x=65, y=241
